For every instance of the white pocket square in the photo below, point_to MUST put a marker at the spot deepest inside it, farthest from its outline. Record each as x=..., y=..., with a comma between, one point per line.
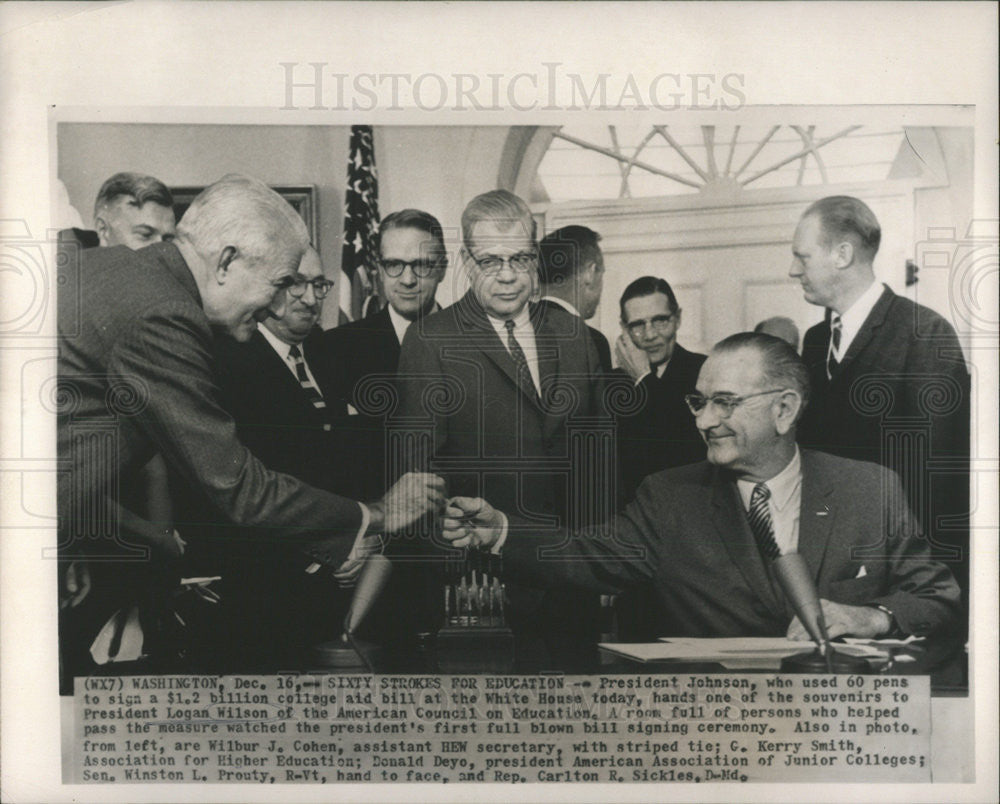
x=861, y=572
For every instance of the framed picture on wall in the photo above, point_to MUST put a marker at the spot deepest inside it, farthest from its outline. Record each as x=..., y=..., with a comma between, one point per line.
x=302, y=197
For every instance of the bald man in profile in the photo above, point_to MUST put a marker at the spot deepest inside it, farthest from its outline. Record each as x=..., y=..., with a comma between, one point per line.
x=135, y=370
x=288, y=408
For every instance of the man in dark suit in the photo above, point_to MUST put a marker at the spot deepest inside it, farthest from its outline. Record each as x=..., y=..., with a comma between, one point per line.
x=571, y=273
x=702, y=536
x=412, y=262
x=890, y=383
x=290, y=413
x=660, y=433
x=495, y=387
x=135, y=377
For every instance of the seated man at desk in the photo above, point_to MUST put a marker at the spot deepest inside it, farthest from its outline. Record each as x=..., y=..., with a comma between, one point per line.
x=702, y=537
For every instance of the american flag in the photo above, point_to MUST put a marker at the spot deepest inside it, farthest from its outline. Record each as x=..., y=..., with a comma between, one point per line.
x=361, y=221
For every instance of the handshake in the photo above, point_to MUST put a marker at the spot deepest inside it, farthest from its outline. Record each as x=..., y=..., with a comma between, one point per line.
x=466, y=521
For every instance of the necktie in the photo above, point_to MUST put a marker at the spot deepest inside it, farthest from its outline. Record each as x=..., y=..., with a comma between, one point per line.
x=836, y=328
x=300, y=371
x=759, y=517
x=523, y=372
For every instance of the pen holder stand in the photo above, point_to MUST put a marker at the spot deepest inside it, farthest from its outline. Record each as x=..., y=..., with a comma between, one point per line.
x=475, y=636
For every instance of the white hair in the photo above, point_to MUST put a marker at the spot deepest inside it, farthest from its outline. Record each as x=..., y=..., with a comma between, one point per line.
x=246, y=214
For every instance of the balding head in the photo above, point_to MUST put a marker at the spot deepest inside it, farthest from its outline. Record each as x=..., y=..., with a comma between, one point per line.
x=243, y=244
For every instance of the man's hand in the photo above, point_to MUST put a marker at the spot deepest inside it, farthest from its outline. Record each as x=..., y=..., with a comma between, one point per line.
x=346, y=575
x=844, y=620
x=75, y=585
x=631, y=358
x=471, y=522
x=413, y=495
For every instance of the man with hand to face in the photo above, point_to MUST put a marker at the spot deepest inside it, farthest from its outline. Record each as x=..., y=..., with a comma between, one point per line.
x=702, y=537
x=661, y=434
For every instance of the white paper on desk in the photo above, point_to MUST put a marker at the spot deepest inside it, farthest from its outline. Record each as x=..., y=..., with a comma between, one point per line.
x=736, y=653
x=741, y=644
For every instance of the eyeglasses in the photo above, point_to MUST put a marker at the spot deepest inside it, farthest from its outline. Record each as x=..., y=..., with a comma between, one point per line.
x=297, y=287
x=724, y=404
x=522, y=262
x=661, y=323
x=420, y=268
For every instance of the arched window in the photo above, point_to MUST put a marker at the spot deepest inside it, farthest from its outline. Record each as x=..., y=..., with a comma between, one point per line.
x=712, y=208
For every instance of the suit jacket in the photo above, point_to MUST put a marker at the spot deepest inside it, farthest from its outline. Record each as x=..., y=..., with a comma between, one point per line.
x=278, y=422
x=662, y=433
x=507, y=436
x=135, y=374
x=903, y=373
x=491, y=436
x=270, y=607
x=361, y=348
x=686, y=537
x=600, y=342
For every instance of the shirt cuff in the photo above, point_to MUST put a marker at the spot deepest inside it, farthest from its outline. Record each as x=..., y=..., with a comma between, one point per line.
x=643, y=376
x=358, y=549
x=502, y=539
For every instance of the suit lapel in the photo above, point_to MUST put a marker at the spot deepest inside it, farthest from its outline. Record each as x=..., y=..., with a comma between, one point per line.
x=471, y=316
x=287, y=381
x=548, y=353
x=816, y=516
x=733, y=530
x=390, y=344
x=868, y=329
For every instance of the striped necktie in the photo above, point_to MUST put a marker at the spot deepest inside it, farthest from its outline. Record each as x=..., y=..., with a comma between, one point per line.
x=836, y=328
x=307, y=385
x=759, y=517
x=523, y=372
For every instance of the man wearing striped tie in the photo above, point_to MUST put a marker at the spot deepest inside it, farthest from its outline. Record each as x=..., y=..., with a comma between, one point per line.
x=289, y=411
x=702, y=537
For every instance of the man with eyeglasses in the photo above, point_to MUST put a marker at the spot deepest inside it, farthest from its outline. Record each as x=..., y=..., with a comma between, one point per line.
x=290, y=412
x=660, y=434
x=702, y=537
x=136, y=377
x=500, y=383
x=412, y=262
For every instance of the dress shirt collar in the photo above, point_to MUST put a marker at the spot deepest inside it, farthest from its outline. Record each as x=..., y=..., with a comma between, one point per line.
x=854, y=317
x=569, y=308
x=524, y=334
x=277, y=344
x=400, y=324
x=782, y=486
x=661, y=368
x=522, y=324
